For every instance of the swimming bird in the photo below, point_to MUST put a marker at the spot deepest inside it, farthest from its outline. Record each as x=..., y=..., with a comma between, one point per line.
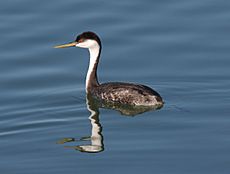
x=114, y=92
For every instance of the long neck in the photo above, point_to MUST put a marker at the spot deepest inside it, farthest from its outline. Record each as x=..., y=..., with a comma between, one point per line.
x=91, y=78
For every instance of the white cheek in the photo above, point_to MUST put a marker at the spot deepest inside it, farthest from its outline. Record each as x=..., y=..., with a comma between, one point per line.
x=86, y=44
x=81, y=45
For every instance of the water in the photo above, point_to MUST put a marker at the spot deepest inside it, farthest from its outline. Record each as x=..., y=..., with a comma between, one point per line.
x=180, y=48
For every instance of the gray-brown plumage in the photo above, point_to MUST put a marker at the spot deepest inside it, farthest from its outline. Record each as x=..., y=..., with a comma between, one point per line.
x=127, y=93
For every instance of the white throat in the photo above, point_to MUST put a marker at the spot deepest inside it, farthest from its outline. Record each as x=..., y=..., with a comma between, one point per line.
x=94, y=49
x=93, y=52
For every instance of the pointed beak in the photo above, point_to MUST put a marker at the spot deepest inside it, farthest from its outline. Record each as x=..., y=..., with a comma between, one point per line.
x=71, y=44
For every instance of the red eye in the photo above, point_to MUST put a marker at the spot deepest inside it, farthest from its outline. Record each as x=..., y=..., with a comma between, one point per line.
x=81, y=40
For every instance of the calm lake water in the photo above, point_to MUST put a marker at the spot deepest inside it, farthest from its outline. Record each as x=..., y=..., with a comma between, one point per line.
x=180, y=48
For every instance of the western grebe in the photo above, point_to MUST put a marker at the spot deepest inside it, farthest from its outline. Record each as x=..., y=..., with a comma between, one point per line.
x=114, y=92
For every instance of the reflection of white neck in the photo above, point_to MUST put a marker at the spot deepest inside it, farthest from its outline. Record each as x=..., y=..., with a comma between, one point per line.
x=96, y=137
x=94, y=53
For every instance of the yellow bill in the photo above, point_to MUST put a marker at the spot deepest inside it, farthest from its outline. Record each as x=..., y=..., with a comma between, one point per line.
x=72, y=44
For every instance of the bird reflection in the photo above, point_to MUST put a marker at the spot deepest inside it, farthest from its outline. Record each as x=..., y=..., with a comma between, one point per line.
x=96, y=144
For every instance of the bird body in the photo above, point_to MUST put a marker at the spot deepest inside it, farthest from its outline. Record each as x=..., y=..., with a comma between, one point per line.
x=127, y=93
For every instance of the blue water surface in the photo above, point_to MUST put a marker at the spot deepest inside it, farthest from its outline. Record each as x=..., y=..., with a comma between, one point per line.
x=179, y=48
